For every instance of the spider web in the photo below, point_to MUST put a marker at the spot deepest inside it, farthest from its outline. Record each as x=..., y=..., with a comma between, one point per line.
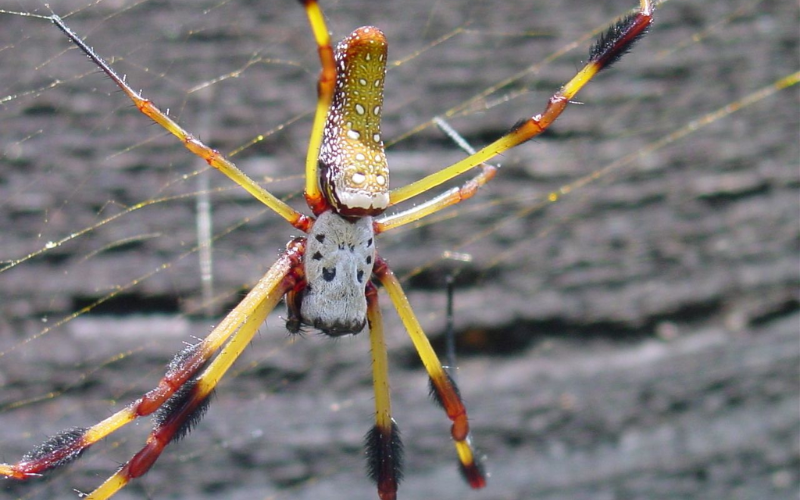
x=635, y=317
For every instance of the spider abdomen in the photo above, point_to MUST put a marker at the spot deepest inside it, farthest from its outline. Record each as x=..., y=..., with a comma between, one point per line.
x=339, y=257
x=353, y=172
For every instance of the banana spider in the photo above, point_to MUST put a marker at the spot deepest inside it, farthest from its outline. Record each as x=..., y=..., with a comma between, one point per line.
x=326, y=276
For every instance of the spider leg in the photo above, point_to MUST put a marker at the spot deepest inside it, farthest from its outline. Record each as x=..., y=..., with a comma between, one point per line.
x=181, y=396
x=443, y=388
x=384, y=448
x=211, y=156
x=443, y=200
x=325, y=87
x=449, y=197
x=617, y=40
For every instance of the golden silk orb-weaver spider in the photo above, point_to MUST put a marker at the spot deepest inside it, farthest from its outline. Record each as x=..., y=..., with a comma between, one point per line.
x=329, y=276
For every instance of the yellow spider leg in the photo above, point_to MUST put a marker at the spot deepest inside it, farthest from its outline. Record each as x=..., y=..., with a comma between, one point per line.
x=211, y=156
x=325, y=88
x=449, y=197
x=242, y=321
x=384, y=449
x=609, y=48
x=444, y=389
x=191, y=403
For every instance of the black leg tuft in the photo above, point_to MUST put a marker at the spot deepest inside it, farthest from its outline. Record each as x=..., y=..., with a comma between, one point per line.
x=176, y=404
x=617, y=40
x=384, y=450
x=65, y=446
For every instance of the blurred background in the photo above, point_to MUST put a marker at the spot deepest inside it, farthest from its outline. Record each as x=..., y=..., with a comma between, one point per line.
x=636, y=339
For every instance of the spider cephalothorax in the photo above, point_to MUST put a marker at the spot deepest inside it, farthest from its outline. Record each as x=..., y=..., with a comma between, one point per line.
x=340, y=254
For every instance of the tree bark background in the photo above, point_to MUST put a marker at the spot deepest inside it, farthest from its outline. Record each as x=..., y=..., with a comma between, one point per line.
x=636, y=339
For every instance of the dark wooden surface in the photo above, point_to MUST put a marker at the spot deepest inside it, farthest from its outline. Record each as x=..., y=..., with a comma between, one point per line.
x=637, y=339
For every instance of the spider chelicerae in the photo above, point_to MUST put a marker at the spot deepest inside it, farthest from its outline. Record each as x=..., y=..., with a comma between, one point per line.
x=329, y=276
